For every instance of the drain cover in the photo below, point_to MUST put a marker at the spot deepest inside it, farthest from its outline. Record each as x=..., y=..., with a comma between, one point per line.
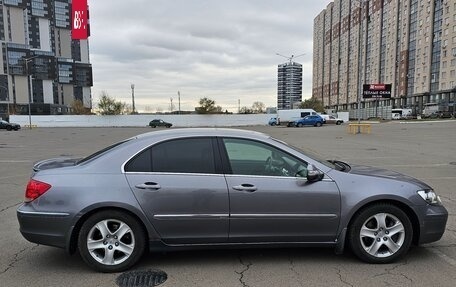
x=146, y=278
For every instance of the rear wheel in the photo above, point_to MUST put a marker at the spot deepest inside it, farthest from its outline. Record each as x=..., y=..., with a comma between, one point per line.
x=299, y=125
x=380, y=233
x=8, y=128
x=318, y=124
x=111, y=241
x=338, y=122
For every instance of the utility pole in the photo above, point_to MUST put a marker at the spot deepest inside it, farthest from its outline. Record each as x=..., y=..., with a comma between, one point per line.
x=179, y=99
x=171, y=105
x=239, y=106
x=133, y=97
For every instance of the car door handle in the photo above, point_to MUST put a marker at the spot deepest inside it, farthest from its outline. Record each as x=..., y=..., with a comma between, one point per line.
x=245, y=187
x=148, y=185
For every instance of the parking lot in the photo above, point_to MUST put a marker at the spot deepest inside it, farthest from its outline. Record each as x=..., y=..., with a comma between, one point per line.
x=426, y=150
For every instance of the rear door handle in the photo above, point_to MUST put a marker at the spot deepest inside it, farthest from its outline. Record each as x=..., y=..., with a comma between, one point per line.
x=148, y=185
x=245, y=187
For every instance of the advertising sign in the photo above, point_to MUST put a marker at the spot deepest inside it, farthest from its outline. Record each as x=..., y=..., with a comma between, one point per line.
x=375, y=91
x=79, y=20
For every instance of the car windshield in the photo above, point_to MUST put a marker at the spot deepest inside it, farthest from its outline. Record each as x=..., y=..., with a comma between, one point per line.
x=310, y=154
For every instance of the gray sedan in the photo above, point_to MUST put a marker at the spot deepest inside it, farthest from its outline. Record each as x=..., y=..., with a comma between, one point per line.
x=197, y=188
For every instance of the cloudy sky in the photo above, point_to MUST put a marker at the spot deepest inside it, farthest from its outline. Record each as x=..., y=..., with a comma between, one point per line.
x=221, y=49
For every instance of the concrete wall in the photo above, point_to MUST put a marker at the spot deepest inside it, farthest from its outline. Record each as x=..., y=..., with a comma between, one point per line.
x=143, y=120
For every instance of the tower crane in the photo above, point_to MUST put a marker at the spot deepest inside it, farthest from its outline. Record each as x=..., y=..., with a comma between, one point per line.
x=290, y=58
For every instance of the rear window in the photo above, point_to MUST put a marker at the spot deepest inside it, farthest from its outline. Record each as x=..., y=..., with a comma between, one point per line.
x=100, y=152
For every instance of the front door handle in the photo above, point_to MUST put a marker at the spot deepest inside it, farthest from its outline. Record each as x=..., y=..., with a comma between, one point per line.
x=148, y=185
x=245, y=187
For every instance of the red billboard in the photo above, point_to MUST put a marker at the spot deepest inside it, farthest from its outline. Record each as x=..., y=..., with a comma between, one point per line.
x=79, y=20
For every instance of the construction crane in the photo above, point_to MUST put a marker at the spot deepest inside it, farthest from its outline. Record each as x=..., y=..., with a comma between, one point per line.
x=290, y=58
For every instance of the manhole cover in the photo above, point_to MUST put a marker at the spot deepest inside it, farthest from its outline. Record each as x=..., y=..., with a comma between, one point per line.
x=147, y=278
x=453, y=163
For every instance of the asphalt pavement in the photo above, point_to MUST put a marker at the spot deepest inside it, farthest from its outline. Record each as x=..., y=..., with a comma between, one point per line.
x=426, y=150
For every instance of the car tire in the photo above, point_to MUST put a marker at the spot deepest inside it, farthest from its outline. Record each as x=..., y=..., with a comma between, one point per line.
x=318, y=124
x=338, y=123
x=273, y=124
x=380, y=233
x=299, y=125
x=8, y=128
x=153, y=127
x=109, y=251
x=168, y=126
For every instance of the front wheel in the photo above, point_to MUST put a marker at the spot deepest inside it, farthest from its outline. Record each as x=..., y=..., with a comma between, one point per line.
x=318, y=124
x=111, y=241
x=380, y=233
x=299, y=125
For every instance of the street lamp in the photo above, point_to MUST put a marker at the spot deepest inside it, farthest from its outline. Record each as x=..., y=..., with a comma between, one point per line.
x=8, y=99
x=361, y=3
x=27, y=60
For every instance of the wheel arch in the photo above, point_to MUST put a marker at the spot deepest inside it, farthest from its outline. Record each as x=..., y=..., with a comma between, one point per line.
x=401, y=205
x=73, y=237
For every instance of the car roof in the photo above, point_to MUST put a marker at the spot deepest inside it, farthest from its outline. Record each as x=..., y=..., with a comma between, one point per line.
x=198, y=132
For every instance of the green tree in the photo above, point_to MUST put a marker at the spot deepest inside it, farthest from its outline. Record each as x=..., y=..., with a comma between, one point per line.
x=313, y=103
x=207, y=106
x=258, y=107
x=109, y=106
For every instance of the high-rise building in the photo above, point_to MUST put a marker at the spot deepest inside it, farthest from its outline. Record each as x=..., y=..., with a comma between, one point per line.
x=289, y=85
x=36, y=35
x=410, y=44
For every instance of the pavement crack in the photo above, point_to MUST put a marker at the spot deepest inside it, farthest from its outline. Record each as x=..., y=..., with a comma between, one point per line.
x=292, y=268
x=8, y=207
x=246, y=268
x=16, y=258
x=390, y=271
x=339, y=272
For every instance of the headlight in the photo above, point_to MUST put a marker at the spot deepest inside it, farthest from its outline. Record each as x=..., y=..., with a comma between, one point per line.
x=430, y=196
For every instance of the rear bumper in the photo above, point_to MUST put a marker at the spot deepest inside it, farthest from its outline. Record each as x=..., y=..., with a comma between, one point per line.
x=433, y=225
x=46, y=228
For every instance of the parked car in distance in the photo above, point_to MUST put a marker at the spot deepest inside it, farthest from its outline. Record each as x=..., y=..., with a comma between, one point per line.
x=331, y=120
x=213, y=187
x=272, y=121
x=314, y=120
x=159, y=123
x=9, y=126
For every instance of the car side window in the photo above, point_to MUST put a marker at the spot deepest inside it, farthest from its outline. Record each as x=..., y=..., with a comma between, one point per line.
x=190, y=155
x=247, y=157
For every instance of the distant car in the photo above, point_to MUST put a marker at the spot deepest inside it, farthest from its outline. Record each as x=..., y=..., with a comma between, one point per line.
x=314, y=120
x=272, y=122
x=9, y=126
x=159, y=123
x=206, y=188
x=331, y=120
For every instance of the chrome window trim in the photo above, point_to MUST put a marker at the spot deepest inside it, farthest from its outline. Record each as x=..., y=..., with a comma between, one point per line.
x=172, y=173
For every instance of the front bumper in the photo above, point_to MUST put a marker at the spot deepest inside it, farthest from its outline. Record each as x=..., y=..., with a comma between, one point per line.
x=46, y=228
x=433, y=224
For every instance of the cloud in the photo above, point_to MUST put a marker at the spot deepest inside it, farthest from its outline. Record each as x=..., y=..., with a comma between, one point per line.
x=224, y=50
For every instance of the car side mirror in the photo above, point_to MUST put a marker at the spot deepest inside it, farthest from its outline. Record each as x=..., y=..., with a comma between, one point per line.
x=313, y=174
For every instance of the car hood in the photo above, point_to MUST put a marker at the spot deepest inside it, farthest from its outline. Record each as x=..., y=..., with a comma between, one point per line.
x=385, y=173
x=55, y=163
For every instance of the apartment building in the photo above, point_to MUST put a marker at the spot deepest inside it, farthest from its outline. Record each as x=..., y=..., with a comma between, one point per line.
x=40, y=62
x=410, y=44
x=289, y=85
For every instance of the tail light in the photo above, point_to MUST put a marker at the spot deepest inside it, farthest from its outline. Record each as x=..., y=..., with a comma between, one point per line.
x=35, y=189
